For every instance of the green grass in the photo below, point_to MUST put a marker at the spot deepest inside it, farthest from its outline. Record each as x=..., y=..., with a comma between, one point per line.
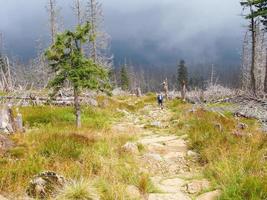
x=52, y=143
x=78, y=190
x=64, y=116
x=236, y=165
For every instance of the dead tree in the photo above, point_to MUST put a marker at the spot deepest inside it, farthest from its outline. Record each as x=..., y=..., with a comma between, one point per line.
x=265, y=78
x=99, y=48
x=183, y=91
x=260, y=58
x=166, y=88
x=6, y=82
x=79, y=11
x=53, y=12
x=253, y=50
x=246, y=63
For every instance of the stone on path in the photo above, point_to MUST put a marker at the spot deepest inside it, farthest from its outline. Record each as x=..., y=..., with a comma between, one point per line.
x=197, y=186
x=171, y=185
x=166, y=161
x=173, y=196
x=209, y=195
x=157, y=139
x=153, y=157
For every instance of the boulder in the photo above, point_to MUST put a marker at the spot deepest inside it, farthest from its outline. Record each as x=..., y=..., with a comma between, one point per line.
x=5, y=126
x=45, y=184
x=130, y=148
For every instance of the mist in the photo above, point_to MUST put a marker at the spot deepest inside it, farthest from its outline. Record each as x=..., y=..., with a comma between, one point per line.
x=151, y=32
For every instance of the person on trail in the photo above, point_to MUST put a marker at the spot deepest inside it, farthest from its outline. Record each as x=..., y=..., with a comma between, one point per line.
x=160, y=100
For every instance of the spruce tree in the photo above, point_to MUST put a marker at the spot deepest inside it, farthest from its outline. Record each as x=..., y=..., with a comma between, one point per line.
x=182, y=74
x=68, y=61
x=124, y=78
x=259, y=9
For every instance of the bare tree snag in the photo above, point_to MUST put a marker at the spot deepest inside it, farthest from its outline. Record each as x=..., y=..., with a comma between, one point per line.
x=166, y=88
x=253, y=52
x=6, y=81
x=183, y=91
x=98, y=49
x=77, y=8
x=77, y=108
x=53, y=22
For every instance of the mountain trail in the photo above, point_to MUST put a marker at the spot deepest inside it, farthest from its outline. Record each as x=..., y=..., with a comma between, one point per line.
x=173, y=168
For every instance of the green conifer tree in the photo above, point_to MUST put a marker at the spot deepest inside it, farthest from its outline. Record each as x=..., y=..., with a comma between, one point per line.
x=68, y=61
x=125, y=83
x=182, y=74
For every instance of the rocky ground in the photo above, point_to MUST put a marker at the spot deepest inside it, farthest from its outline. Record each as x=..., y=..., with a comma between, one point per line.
x=173, y=168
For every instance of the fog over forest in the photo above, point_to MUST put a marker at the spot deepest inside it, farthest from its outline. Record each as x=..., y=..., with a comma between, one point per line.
x=147, y=33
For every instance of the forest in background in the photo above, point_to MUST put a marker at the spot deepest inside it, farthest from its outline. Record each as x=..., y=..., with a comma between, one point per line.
x=35, y=73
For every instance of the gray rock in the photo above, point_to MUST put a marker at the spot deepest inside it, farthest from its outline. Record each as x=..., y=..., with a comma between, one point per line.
x=45, y=184
x=193, y=154
x=92, y=102
x=5, y=125
x=173, y=196
x=153, y=157
x=156, y=124
x=130, y=147
x=197, y=186
x=210, y=195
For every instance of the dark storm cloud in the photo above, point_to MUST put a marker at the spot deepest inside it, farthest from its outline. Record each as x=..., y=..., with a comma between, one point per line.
x=146, y=31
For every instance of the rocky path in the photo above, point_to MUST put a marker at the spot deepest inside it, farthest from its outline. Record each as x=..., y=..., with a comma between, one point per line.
x=172, y=166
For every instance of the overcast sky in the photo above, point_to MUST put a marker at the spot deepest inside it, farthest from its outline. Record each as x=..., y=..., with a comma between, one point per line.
x=144, y=31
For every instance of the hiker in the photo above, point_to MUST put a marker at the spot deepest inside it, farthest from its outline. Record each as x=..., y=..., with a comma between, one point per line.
x=160, y=100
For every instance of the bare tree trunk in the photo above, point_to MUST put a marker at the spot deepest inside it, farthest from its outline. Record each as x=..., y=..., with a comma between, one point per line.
x=77, y=107
x=78, y=11
x=183, y=91
x=11, y=119
x=93, y=19
x=51, y=8
x=166, y=88
x=265, y=79
x=99, y=48
x=253, y=54
x=246, y=63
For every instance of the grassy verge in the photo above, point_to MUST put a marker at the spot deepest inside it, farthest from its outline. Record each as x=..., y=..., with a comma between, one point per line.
x=235, y=164
x=92, y=153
